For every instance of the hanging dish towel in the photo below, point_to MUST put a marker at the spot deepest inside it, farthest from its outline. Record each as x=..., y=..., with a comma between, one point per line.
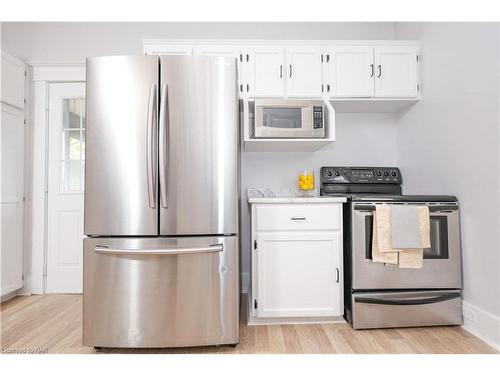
x=377, y=256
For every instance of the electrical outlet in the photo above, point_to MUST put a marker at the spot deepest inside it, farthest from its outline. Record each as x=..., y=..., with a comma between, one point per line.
x=468, y=314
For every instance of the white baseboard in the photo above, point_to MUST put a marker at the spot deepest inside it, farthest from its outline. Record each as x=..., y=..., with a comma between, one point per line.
x=482, y=324
x=245, y=282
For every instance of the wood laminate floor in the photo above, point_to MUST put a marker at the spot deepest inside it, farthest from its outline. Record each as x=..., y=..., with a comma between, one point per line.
x=54, y=321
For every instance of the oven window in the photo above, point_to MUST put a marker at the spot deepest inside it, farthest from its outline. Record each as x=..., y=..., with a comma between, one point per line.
x=439, y=238
x=282, y=118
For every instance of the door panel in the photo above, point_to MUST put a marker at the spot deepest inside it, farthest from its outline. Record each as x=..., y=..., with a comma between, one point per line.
x=198, y=146
x=396, y=72
x=121, y=155
x=304, y=72
x=437, y=271
x=351, y=72
x=153, y=298
x=267, y=72
x=297, y=274
x=11, y=199
x=65, y=187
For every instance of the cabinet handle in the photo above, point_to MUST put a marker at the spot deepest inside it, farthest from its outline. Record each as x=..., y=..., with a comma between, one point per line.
x=328, y=87
x=241, y=87
x=241, y=57
x=290, y=70
x=327, y=58
x=337, y=272
x=322, y=88
x=372, y=70
x=248, y=87
x=379, y=71
x=295, y=218
x=281, y=71
x=247, y=57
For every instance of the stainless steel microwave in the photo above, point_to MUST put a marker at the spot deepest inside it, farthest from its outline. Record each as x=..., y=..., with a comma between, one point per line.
x=282, y=118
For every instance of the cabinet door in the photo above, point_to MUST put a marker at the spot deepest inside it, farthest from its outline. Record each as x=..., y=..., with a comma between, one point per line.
x=396, y=73
x=304, y=70
x=298, y=274
x=351, y=71
x=12, y=80
x=227, y=51
x=266, y=72
x=11, y=197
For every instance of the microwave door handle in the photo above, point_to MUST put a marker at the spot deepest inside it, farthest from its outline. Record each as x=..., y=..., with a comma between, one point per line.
x=163, y=149
x=150, y=146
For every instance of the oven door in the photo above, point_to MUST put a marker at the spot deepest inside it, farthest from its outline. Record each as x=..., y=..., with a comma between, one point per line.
x=442, y=265
x=285, y=119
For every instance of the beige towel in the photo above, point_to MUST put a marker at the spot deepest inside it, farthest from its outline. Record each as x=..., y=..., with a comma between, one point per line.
x=382, y=237
x=377, y=256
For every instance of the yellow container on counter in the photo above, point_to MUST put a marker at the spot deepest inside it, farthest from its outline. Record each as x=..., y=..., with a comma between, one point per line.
x=305, y=180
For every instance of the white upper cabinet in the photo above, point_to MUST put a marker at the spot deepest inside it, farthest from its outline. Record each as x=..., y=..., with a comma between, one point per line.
x=12, y=80
x=226, y=51
x=304, y=70
x=351, y=72
x=266, y=69
x=396, y=72
x=168, y=49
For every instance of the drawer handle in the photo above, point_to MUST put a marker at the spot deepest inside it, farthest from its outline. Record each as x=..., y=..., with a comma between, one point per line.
x=100, y=249
x=295, y=218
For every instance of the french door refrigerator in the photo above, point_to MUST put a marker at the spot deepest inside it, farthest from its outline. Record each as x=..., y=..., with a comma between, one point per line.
x=161, y=202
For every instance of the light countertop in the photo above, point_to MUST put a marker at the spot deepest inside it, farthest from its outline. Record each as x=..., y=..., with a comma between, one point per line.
x=297, y=200
x=288, y=195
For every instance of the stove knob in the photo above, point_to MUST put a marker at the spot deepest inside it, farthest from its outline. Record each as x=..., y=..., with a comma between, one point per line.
x=337, y=173
x=386, y=173
x=379, y=173
x=394, y=174
x=329, y=173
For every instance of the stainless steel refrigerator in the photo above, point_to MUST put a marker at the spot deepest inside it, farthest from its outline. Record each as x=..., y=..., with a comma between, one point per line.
x=161, y=202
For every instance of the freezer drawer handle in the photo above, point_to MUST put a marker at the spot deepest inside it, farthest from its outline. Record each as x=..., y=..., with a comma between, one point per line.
x=295, y=218
x=416, y=301
x=100, y=249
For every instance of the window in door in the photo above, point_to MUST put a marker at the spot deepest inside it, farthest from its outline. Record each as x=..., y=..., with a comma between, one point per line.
x=73, y=155
x=438, y=237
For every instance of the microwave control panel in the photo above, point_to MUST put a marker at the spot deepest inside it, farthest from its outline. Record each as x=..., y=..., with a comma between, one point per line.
x=317, y=117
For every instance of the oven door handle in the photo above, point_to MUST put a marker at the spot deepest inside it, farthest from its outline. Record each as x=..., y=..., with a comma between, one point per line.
x=371, y=208
x=402, y=302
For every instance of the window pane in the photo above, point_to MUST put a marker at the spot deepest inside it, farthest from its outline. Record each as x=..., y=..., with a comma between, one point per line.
x=72, y=113
x=72, y=175
x=72, y=145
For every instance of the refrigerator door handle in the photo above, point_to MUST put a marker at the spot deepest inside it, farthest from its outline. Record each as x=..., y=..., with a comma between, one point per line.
x=216, y=248
x=150, y=149
x=163, y=152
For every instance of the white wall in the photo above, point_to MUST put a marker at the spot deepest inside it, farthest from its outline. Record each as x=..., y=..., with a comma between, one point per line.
x=449, y=144
x=78, y=40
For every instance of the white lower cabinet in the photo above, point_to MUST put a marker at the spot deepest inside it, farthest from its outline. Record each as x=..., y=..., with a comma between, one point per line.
x=297, y=270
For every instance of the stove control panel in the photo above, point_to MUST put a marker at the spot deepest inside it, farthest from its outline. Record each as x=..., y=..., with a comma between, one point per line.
x=360, y=175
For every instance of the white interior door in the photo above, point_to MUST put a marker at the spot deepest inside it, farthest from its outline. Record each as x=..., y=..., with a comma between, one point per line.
x=304, y=72
x=65, y=187
x=12, y=150
x=351, y=71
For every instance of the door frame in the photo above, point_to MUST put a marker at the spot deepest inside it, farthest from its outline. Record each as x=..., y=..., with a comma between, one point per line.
x=44, y=73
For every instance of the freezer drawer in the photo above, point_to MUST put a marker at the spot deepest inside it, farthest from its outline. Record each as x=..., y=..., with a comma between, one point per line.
x=406, y=309
x=160, y=292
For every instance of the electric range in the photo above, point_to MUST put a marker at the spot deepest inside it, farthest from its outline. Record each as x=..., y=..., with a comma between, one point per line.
x=378, y=295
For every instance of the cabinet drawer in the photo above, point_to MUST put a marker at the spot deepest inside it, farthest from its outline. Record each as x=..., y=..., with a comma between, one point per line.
x=298, y=217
